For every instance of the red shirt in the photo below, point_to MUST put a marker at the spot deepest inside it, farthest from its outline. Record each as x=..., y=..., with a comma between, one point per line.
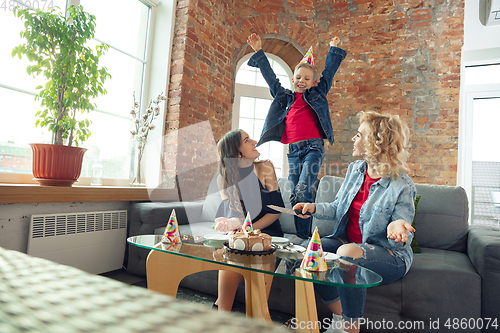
x=301, y=122
x=352, y=230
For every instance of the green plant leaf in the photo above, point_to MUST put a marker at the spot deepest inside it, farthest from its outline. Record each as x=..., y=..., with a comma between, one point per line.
x=56, y=47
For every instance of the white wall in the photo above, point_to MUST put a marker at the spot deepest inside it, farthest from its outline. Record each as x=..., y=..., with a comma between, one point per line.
x=478, y=37
x=15, y=218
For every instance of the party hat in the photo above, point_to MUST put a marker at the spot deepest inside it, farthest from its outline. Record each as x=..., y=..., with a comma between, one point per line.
x=308, y=58
x=319, y=275
x=247, y=226
x=314, y=259
x=172, y=233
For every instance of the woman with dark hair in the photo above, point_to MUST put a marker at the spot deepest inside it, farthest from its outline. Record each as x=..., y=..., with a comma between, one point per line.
x=246, y=186
x=370, y=213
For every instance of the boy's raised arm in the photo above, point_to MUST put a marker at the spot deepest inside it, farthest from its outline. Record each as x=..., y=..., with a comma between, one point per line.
x=334, y=41
x=255, y=42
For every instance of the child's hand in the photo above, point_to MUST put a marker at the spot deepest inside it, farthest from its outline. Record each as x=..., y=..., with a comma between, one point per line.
x=335, y=41
x=255, y=42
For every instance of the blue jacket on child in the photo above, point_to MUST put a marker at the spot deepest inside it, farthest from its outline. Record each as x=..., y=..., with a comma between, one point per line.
x=283, y=98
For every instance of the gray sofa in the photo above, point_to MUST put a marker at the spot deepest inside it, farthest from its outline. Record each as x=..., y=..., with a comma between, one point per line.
x=455, y=280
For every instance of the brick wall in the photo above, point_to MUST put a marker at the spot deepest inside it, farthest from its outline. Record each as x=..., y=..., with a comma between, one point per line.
x=403, y=58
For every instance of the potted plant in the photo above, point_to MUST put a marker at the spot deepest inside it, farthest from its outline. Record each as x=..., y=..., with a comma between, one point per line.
x=56, y=44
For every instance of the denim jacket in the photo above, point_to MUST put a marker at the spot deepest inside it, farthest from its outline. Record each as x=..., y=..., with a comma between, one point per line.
x=389, y=200
x=283, y=98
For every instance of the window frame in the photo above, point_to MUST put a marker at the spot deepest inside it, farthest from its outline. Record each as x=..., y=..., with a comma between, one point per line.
x=154, y=81
x=241, y=89
x=468, y=93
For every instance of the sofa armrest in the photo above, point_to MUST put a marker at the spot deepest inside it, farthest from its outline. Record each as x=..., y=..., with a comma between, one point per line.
x=145, y=217
x=483, y=249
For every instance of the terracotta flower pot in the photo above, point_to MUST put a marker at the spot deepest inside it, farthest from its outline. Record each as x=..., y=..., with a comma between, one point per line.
x=56, y=165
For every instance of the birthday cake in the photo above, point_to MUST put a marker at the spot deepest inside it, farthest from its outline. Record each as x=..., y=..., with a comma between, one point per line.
x=250, y=241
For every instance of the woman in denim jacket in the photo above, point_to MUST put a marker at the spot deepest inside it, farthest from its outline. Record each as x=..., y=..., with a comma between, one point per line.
x=371, y=213
x=300, y=118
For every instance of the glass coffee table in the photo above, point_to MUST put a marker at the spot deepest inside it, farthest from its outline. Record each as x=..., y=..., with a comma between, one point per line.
x=167, y=264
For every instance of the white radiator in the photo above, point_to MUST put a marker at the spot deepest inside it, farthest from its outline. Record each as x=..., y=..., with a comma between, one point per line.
x=91, y=241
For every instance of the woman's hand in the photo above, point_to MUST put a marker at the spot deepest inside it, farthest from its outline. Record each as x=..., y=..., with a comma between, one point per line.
x=255, y=42
x=223, y=224
x=305, y=207
x=397, y=230
x=334, y=41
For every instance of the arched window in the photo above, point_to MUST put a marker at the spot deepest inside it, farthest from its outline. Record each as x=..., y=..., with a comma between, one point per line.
x=251, y=104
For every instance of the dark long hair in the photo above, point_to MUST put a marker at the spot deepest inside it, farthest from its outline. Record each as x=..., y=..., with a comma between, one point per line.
x=229, y=155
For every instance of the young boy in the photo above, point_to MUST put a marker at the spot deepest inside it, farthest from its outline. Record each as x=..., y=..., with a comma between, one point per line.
x=300, y=118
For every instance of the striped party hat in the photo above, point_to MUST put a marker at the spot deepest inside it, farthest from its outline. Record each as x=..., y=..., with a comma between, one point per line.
x=308, y=58
x=247, y=226
x=172, y=233
x=314, y=259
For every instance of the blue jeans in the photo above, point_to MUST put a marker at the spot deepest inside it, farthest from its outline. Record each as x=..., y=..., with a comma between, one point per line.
x=376, y=258
x=304, y=162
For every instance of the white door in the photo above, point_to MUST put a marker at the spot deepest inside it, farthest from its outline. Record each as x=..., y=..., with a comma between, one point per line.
x=483, y=157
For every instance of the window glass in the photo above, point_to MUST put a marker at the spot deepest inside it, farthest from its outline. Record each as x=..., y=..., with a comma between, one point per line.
x=485, y=162
x=247, y=107
x=254, y=106
x=123, y=25
x=113, y=155
x=251, y=75
x=261, y=108
x=120, y=23
x=130, y=18
x=126, y=81
x=17, y=128
x=245, y=76
x=18, y=121
x=246, y=124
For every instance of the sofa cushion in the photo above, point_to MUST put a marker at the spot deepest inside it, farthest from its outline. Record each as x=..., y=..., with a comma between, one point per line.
x=195, y=229
x=484, y=252
x=286, y=220
x=414, y=245
x=212, y=201
x=448, y=274
x=442, y=219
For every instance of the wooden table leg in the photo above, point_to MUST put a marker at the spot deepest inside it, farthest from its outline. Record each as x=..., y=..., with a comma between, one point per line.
x=166, y=271
x=305, y=307
x=256, y=295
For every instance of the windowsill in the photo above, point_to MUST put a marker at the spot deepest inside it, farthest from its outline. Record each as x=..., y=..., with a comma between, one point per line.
x=30, y=193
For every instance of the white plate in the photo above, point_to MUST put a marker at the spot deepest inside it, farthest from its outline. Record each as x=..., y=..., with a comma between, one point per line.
x=298, y=248
x=217, y=237
x=331, y=256
x=279, y=240
x=213, y=244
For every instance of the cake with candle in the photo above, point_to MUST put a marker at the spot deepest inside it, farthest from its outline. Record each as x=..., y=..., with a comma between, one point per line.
x=249, y=239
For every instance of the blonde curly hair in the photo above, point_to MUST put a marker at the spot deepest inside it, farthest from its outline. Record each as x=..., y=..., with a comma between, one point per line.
x=387, y=143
